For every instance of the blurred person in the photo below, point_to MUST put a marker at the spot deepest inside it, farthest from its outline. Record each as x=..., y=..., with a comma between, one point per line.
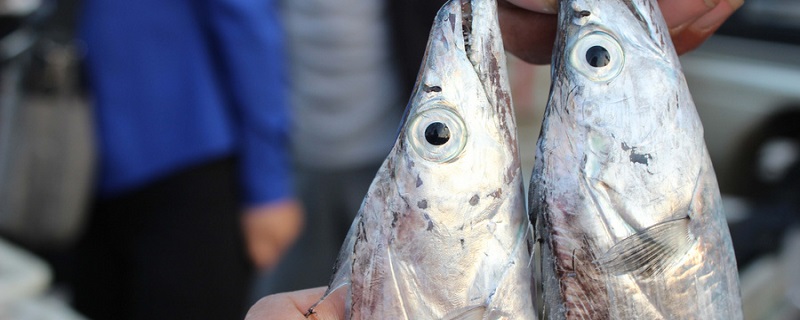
x=350, y=74
x=768, y=163
x=528, y=28
x=191, y=121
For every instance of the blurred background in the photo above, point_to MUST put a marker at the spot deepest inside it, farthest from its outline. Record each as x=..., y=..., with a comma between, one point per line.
x=745, y=82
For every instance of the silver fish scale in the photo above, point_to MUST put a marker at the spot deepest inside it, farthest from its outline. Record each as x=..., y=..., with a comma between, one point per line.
x=623, y=192
x=443, y=232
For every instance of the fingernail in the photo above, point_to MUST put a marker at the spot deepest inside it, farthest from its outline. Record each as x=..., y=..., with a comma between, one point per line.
x=711, y=3
x=678, y=29
x=713, y=18
x=551, y=6
x=540, y=6
x=735, y=4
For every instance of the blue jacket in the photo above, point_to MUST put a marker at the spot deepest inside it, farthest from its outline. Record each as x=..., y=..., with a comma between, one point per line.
x=181, y=82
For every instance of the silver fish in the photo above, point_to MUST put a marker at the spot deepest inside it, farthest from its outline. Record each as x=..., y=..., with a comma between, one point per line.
x=623, y=194
x=442, y=232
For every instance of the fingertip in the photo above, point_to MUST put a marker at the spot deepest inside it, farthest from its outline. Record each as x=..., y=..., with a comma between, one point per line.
x=682, y=12
x=527, y=35
x=541, y=6
x=294, y=305
x=332, y=308
x=270, y=307
x=691, y=35
x=690, y=39
x=714, y=18
x=735, y=4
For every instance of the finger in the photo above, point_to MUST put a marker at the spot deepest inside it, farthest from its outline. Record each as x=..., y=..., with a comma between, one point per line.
x=541, y=6
x=526, y=34
x=699, y=30
x=294, y=305
x=680, y=13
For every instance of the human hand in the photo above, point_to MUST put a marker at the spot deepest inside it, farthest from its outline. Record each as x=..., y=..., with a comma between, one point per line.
x=294, y=305
x=529, y=26
x=270, y=229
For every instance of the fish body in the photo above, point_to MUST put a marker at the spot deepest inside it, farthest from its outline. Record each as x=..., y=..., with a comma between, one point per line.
x=442, y=232
x=623, y=195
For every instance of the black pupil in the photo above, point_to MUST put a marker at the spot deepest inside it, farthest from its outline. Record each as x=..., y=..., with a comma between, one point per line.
x=437, y=133
x=598, y=57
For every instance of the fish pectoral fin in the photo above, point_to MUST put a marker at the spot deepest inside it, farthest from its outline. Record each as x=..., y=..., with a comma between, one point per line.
x=468, y=313
x=651, y=251
x=343, y=267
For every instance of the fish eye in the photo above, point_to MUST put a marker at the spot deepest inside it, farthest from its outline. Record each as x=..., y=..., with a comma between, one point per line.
x=437, y=134
x=598, y=56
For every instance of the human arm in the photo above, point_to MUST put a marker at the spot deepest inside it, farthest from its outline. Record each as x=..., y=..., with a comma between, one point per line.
x=247, y=44
x=529, y=26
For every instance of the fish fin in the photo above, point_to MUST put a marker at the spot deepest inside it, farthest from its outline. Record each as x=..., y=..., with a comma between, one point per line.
x=649, y=252
x=468, y=313
x=343, y=267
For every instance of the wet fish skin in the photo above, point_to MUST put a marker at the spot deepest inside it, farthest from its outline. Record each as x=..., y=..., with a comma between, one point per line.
x=442, y=232
x=623, y=195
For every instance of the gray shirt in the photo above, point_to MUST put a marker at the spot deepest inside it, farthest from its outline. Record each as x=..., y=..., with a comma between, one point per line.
x=344, y=92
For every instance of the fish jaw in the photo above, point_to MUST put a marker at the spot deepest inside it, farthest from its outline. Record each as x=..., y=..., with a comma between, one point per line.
x=442, y=232
x=621, y=158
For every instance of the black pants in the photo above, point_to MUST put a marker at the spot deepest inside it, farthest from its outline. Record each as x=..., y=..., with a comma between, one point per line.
x=171, y=250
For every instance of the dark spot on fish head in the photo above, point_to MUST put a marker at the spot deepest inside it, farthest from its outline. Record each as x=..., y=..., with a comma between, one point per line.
x=635, y=157
x=422, y=204
x=410, y=164
x=395, y=217
x=419, y=181
x=462, y=243
x=474, y=200
x=641, y=158
x=511, y=172
x=361, y=234
x=583, y=13
x=430, y=89
x=430, y=222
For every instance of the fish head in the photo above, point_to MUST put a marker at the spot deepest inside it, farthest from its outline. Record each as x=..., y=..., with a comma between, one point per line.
x=623, y=192
x=447, y=205
x=457, y=143
x=626, y=118
x=615, y=51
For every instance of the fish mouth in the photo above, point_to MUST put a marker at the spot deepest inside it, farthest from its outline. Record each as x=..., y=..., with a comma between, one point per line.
x=479, y=29
x=466, y=23
x=482, y=41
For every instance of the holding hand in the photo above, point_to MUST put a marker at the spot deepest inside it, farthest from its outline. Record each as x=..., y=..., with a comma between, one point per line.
x=294, y=306
x=529, y=26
